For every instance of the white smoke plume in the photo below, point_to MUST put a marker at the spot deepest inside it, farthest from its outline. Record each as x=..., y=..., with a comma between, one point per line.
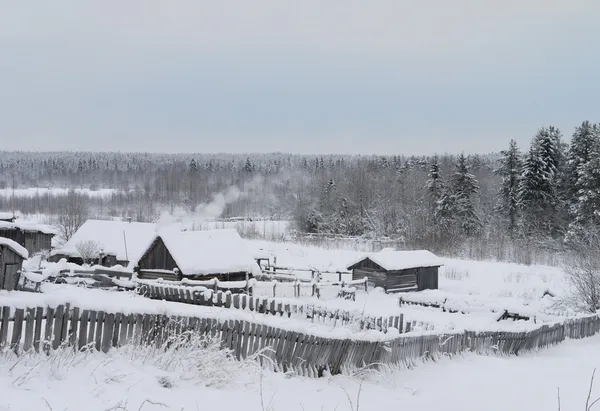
x=213, y=209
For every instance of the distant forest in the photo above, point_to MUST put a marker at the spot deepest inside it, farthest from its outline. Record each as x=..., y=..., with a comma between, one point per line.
x=499, y=205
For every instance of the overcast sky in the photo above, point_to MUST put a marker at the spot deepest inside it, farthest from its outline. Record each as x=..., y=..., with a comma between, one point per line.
x=326, y=76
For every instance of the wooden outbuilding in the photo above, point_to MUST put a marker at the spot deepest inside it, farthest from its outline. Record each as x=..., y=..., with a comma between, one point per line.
x=199, y=255
x=12, y=256
x=34, y=237
x=398, y=271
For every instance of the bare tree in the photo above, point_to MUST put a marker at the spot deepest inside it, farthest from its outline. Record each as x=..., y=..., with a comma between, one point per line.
x=582, y=268
x=73, y=215
x=88, y=250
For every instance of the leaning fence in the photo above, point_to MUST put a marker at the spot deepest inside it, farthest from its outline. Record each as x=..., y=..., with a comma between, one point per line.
x=45, y=328
x=267, y=305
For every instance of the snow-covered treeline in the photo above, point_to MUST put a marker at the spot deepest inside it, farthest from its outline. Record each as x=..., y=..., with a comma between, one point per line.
x=504, y=205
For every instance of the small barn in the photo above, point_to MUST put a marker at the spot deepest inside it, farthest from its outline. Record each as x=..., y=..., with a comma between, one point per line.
x=34, y=237
x=198, y=255
x=398, y=271
x=12, y=255
x=106, y=242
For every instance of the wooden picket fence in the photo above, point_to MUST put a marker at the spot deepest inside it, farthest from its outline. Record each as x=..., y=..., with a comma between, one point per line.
x=267, y=305
x=42, y=329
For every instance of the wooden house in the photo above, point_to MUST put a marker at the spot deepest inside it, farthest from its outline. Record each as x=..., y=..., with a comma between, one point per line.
x=34, y=237
x=197, y=255
x=106, y=243
x=12, y=255
x=398, y=271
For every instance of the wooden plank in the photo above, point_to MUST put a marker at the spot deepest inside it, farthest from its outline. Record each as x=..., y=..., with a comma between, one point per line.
x=138, y=335
x=83, y=329
x=237, y=339
x=99, y=325
x=130, y=328
x=249, y=329
x=29, y=324
x=117, y=330
x=17, y=330
x=122, y=340
x=107, y=331
x=37, y=332
x=47, y=344
x=59, y=315
x=91, y=329
x=73, y=331
x=4, y=326
x=64, y=332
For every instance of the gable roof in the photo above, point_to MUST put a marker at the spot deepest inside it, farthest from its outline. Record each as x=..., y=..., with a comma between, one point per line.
x=401, y=260
x=209, y=252
x=16, y=247
x=111, y=236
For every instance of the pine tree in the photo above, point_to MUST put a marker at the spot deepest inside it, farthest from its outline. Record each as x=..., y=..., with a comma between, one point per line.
x=508, y=195
x=464, y=187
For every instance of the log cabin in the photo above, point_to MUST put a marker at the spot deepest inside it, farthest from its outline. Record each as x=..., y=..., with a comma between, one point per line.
x=398, y=271
x=206, y=254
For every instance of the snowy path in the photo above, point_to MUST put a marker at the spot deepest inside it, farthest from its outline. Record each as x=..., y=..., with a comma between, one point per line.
x=467, y=383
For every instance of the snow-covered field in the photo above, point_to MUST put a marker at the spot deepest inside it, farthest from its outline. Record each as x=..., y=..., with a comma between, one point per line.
x=133, y=379
x=483, y=290
x=54, y=191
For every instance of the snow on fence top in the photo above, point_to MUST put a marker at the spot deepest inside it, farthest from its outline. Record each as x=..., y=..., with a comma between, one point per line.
x=401, y=260
x=123, y=239
x=209, y=252
x=16, y=247
x=24, y=226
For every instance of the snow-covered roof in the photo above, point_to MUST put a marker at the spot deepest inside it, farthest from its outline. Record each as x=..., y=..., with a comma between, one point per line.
x=26, y=226
x=209, y=252
x=111, y=237
x=16, y=247
x=6, y=216
x=401, y=260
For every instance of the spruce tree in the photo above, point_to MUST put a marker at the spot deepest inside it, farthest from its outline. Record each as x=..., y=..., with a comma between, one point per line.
x=539, y=185
x=464, y=187
x=583, y=141
x=434, y=186
x=508, y=195
x=586, y=208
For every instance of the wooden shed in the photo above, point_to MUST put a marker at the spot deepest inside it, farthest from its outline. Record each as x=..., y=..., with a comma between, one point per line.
x=34, y=237
x=398, y=271
x=198, y=255
x=11, y=263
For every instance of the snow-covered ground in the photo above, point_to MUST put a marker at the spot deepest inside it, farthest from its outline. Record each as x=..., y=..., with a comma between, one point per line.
x=128, y=379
